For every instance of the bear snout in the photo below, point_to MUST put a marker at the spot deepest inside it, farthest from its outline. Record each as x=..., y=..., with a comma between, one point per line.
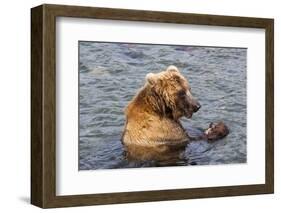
x=196, y=106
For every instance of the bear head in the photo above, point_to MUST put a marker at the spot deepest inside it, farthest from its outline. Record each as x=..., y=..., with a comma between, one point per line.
x=172, y=93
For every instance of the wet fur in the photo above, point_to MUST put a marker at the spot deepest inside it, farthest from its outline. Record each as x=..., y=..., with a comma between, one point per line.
x=152, y=117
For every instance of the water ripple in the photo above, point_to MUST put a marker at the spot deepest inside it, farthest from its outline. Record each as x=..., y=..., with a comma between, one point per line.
x=111, y=74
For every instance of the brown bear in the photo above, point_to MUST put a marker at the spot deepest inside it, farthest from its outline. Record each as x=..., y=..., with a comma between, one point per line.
x=152, y=117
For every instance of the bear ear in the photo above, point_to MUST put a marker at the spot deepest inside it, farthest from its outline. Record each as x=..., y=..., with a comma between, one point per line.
x=172, y=68
x=151, y=78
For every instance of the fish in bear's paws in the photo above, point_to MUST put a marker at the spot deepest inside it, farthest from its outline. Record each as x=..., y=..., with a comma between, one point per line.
x=216, y=131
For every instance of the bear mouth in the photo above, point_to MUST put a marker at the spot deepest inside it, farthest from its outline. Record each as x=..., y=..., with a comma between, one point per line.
x=189, y=114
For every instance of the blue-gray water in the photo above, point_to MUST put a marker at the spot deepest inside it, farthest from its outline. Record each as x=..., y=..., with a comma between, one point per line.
x=111, y=74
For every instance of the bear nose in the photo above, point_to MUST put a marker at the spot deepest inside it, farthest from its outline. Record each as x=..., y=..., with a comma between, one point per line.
x=197, y=106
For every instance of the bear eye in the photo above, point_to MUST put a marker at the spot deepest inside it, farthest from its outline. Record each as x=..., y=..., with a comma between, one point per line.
x=181, y=93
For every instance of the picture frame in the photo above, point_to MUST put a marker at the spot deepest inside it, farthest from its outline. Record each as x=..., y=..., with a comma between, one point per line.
x=43, y=105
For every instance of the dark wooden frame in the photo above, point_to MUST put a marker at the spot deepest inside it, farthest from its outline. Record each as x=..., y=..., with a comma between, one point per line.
x=43, y=105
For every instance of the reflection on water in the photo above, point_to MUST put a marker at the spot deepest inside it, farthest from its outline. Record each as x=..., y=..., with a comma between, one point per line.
x=112, y=73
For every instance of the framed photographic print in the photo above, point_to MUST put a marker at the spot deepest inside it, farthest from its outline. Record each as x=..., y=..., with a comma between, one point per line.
x=136, y=106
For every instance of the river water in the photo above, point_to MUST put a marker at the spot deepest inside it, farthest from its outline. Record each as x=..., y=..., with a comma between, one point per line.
x=110, y=74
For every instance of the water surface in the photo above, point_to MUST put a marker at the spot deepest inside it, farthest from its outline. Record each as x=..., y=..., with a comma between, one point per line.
x=112, y=73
